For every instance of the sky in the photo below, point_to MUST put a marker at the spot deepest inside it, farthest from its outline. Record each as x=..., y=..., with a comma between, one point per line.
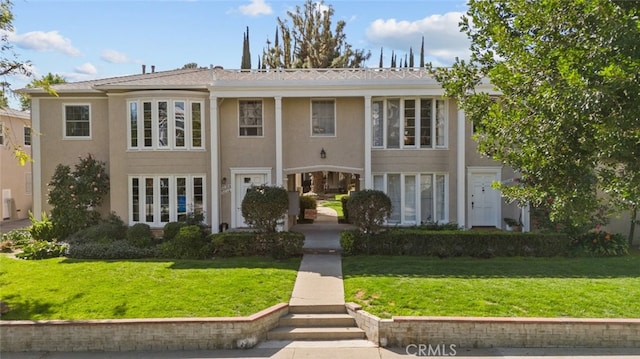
x=89, y=39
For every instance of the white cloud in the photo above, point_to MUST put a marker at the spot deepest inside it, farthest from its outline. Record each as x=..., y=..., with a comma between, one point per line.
x=87, y=69
x=442, y=37
x=256, y=8
x=43, y=41
x=115, y=57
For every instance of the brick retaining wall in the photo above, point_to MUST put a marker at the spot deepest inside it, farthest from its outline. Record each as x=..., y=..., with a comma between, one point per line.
x=140, y=334
x=470, y=332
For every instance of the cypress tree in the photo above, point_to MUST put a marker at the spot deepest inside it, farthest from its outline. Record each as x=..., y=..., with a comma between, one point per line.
x=246, y=53
x=422, y=54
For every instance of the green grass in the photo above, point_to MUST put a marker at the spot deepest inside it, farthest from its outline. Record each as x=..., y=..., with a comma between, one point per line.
x=334, y=204
x=75, y=289
x=499, y=287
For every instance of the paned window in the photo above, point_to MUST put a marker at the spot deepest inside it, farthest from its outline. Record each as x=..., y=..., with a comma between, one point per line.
x=164, y=124
x=77, y=121
x=323, y=118
x=409, y=123
x=157, y=200
x=27, y=136
x=250, y=118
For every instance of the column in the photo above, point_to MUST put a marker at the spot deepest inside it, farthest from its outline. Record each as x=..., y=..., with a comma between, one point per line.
x=36, y=167
x=214, y=149
x=279, y=179
x=461, y=171
x=368, y=180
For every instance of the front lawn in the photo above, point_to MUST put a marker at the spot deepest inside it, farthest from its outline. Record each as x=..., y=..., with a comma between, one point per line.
x=63, y=288
x=500, y=287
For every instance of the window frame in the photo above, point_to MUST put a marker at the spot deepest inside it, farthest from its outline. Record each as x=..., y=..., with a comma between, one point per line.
x=157, y=204
x=26, y=132
x=260, y=128
x=335, y=117
x=65, y=119
x=384, y=126
x=1, y=133
x=154, y=124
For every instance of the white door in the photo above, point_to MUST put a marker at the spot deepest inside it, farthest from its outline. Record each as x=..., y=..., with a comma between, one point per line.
x=243, y=183
x=6, y=203
x=484, y=200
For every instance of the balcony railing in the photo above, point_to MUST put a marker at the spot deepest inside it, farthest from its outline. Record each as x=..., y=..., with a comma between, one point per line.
x=321, y=74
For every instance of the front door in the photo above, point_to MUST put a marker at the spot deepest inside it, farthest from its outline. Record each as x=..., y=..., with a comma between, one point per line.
x=484, y=200
x=243, y=183
x=6, y=203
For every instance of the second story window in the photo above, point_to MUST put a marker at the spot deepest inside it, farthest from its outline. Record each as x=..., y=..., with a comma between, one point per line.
x=27, y=136
x=250, y=118
x=165, y=124
x=323, y=118
x=77, y=121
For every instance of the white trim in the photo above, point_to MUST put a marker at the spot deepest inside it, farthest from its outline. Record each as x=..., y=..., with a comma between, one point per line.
x=214, y=144
x=335, y=119
x=36, y=166
x=235, y=172
x=477, y=170
x=315, y=168
x=261, y=100
x=460, y=171
x=64, y=121
x=279, y=136
x=368, y=140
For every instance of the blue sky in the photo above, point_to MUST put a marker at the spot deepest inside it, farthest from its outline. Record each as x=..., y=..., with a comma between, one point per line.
x=88, y=39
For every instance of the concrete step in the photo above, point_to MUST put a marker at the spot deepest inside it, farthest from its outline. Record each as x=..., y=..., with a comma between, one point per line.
x=317, y=320
x=316, y=333
x=318, y=309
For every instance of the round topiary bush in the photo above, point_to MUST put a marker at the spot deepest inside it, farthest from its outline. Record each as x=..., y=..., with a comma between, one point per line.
x=140, y=235
x=369, y=209
x=264, y=207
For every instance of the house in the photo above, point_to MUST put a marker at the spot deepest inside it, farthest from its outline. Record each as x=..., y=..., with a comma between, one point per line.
x=197, y=139
x=15, y=178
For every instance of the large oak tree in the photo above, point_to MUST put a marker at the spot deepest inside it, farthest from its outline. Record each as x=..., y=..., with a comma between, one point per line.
x=568, y=114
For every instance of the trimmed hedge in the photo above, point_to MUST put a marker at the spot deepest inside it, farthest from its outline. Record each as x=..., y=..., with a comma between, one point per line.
x=455, y=243
x=278, y=245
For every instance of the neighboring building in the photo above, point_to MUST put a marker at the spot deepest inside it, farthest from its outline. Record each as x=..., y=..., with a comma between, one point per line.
x=196, y=139
x=15, y=179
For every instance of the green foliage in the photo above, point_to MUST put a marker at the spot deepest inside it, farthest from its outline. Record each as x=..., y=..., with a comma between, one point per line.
x=369, y=209
x=278, y=245
x=435, y=226
x=307, y=202
x=264, y=207
x=310, y=42
x=44, y=82
x=567, y=119
x=42, y=229
x=75, y=196
x=42, y=250
x=139, y=235
x=416, y=242
x=17, y=237
x=171, y=229
x=189, y=243
x=119, y=249
x=345, y=208
x=601, y=244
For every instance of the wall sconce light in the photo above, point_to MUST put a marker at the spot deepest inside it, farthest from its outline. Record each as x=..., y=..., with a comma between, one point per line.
x=224, y=180
x=323, y=154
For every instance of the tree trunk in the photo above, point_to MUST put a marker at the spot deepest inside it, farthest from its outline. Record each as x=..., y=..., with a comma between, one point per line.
x=634, y=214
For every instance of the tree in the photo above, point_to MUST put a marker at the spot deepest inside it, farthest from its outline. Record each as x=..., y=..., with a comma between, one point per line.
x=422, y=54
x=76, y=195
x=190, y=65
x=369, y=209
x=264, y=207
x=310, y=41
x=246, y=53
x=567, y=115
x=47, y=80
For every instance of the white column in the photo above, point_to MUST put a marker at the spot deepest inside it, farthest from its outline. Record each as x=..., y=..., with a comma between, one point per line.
x=279, y=180
x=461, y=171
x=368, y=179
x=214, y=148
x=36, y=166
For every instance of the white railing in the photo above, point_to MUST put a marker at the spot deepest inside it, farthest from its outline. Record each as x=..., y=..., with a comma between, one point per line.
x=320, y=74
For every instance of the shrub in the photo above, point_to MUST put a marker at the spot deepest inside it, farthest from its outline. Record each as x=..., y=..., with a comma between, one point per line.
x=601, y=244
x=6, y=246
x=189, y=243
x=264, y=207
x=307, y=202
x=120, y=249
x=435, y=226
x=455, y=243
x=76, y=195
x=104, y=232
x=345, y=208
x=369, y=209
x=278, y=245
x=42, y=229
x=18, y=237
x=171, y=229
x=139, y=235
x=42, y=250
